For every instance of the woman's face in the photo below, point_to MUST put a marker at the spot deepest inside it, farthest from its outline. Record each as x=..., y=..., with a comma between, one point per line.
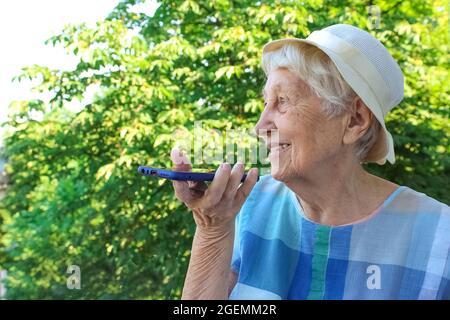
x=308, y=140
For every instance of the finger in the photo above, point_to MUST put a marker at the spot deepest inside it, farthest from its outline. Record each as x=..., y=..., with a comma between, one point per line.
x=197, y=185
x=182, y=191
x=180, y=160
x=218, y=185
x=246, y=187
x=235, y=180
x=181, y=163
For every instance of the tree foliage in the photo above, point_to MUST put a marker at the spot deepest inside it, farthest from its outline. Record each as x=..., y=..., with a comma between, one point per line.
x=74, y=196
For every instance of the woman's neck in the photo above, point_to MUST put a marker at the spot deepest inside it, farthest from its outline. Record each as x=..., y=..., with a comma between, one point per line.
x=340, y=197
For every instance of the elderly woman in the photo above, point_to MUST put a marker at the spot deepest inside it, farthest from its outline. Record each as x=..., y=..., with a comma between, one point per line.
x=320, y=226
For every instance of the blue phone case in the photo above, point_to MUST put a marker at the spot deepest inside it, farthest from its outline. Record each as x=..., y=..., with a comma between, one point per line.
x=179, y=175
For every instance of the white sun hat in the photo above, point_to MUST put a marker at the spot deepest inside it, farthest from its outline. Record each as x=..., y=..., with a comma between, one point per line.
x=367, y=67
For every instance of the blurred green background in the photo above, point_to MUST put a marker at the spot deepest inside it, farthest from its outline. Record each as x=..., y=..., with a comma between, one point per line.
x=73, y=195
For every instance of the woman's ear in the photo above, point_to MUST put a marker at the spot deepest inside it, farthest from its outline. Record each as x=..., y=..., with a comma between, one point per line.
x=358, y=121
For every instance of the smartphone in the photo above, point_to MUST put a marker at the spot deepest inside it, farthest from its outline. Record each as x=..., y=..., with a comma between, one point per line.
x=179, y=175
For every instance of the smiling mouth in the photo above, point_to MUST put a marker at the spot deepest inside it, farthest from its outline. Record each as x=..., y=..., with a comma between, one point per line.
x=282, y=147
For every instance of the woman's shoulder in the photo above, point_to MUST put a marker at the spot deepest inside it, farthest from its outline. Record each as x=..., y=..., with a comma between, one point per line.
x=267, y=186
x=267, y=197
x=268, y=192
x=415, y=213
x=412, y=201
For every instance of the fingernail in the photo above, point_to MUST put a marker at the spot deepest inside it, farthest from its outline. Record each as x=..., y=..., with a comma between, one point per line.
x=237, y=165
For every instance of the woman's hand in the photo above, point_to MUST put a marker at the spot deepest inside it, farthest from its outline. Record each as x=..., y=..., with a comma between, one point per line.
x=214, y=207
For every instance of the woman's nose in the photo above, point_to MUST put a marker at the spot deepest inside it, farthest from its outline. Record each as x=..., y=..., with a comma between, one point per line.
x=265, y=123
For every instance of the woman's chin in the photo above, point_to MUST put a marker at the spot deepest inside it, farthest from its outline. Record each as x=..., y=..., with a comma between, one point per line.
x=278, y=173
x=281, y=165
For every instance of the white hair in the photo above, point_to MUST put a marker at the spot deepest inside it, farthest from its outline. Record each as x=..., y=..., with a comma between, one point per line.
x=318, y=71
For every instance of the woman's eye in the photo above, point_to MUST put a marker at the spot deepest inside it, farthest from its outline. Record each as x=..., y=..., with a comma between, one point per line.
x=282, y=105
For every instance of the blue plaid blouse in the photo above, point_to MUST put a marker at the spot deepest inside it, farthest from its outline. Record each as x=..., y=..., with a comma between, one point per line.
x=400, y=252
